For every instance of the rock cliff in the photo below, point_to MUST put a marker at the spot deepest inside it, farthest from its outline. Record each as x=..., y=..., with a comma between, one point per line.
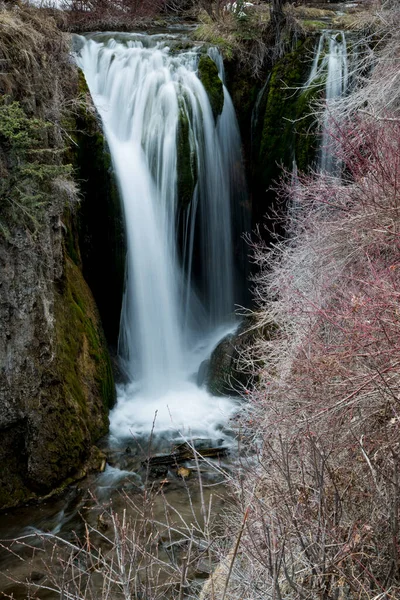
x=56, y=381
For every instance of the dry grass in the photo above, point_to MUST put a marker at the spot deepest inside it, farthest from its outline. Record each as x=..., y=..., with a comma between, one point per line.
x=33, y=52
x=37, y=75
x=309, y=12
x=251, y=40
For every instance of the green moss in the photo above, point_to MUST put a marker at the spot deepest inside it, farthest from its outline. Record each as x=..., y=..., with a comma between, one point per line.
x=71, y=412
x=310, y=25
x=305, y=140
x=82, y=85
x=243, y=88
x=187, y=165
x=287, y=131
x=208, y=74
x=80, y=334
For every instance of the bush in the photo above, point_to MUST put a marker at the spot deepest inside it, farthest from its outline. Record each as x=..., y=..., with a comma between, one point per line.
x=83, y=15
x=323, y=486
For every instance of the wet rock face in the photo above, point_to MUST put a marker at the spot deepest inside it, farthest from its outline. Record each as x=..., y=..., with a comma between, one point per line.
x=101, y=230
x=187, y=165
x=56, y=383
x=55, y=379
x=25, y=345
x=224, y=373
x=221, y=368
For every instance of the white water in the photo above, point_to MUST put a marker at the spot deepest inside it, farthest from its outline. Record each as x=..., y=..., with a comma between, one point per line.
x=169, y=322
x=331, y=66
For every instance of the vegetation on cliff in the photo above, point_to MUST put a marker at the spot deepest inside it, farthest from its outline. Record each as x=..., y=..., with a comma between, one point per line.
x=287, y=122
x=31, y=148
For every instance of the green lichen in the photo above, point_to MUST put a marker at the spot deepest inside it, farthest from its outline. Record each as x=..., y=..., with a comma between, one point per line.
x=208, y=74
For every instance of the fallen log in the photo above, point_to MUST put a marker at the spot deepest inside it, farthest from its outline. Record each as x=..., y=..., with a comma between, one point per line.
x=182, y=453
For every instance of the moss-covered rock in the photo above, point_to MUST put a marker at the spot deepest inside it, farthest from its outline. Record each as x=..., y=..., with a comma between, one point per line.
x=61, y=408
x=286, y=129
x=226, y=373
x=187, y=164
x=208, y=74
x=56, y=383
x=243, y=88
x=72, y=407
x=100, y=221
x=222, y=368
x=287, y=116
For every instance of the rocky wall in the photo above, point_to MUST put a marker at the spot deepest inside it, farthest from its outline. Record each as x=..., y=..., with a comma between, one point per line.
x=56, y=382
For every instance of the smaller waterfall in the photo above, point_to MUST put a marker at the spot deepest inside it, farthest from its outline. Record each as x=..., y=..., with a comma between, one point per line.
x=330, y=67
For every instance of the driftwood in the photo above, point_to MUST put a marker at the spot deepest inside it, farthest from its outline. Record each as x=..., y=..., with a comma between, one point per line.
x=182, y=453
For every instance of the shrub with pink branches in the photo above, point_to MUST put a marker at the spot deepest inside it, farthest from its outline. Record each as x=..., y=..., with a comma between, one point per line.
x=324, y=488
x=83, y=14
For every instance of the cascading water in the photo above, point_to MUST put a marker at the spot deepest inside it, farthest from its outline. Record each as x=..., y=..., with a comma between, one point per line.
x=169, y=321
x=330, y=66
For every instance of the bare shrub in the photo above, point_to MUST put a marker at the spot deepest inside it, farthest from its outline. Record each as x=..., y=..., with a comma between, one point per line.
x=83, y=15
x=377, y=74
x=322, y=485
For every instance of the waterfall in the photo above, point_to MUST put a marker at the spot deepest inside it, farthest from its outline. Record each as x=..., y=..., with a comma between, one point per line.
x=330, y=66
x=180, y=285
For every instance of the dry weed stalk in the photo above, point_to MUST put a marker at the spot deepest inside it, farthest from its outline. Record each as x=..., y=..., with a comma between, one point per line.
x=134, y=554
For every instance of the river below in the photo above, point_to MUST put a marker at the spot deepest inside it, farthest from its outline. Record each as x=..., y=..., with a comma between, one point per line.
x=165, y=508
